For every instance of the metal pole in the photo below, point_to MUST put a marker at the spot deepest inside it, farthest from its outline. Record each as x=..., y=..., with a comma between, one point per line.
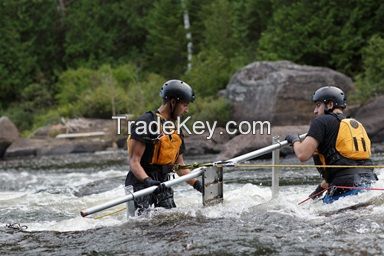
x=195, y=173
x=275, y=171
x=259, y=152
x=213, y=185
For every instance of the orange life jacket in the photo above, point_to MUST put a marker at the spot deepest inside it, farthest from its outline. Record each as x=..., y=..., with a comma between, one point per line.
x=166, y=147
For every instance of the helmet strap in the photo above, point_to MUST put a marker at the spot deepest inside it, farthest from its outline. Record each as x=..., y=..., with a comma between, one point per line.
x=328, y=110
x=173, y=109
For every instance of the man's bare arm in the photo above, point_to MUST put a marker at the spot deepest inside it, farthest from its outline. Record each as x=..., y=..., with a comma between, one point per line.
x=305, y=149
x=135, y=154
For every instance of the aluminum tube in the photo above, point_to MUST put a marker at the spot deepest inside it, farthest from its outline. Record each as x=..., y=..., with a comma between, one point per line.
x=259, y=152
x=195, y=173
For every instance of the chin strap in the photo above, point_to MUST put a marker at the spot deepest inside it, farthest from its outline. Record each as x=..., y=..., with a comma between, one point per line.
x=173, y=108
x=327, y=110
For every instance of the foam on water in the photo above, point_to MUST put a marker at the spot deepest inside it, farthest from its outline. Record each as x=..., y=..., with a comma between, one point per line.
x=60, y=211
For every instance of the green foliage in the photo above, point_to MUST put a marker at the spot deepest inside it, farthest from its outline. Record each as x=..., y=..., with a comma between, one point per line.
x=17, y=63
x=166, y=44
x=35, y=100
x=322, y=33
x=210, y=109
x=20, y=117
x=210, y=73
x=72, y=83
x=256, y=14
x=104, y=31
x=95, y=57
x=95, y=93
x=30, y=46
x=371, y=82
x=145, y=95
x=225, y=46
x=102, y=102
x=125, y=74
x=107, y=91
x=224, y=30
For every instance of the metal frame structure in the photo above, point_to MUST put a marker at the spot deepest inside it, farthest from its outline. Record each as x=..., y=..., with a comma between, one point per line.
x=212, y=178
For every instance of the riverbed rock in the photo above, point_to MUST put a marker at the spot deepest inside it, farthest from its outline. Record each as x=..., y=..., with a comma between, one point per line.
x=371, y=116
x=38, y=147
x=279, y=92
x=201, y=144
x=246, y=143
x=80, y=135
x=8, y=134
x=76, y=125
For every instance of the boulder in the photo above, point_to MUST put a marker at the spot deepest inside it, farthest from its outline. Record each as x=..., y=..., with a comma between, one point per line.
x=279, y=92
x=371, y=116
x=49, y=131
x=200, y=144
x=76, y=125
x=246, y=143
x=8, y=134
x=39, y=147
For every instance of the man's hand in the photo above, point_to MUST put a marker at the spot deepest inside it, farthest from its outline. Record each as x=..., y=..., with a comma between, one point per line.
x=149, y=182
x=198, y=186
x=292, y=139
x=317, y=193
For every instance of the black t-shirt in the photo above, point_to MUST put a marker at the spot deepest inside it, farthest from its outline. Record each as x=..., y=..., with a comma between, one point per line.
x=146, y=130
x=324, y=129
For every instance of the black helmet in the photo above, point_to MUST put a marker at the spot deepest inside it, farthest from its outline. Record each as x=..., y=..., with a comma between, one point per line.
x=177, y=89
x=330, y=93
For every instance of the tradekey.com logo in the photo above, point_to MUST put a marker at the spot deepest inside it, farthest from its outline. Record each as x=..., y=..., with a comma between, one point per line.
x=197, y=127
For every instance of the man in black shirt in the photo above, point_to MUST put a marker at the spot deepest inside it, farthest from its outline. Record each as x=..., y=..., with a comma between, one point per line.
x=153, y=151
x=333, y=139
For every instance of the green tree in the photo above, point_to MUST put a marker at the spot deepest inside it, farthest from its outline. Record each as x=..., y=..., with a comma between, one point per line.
x=30, y=46
x=99, y=31
x=371, y=82
x=145, y=95
x=166, y=45
x=223, y=48
x=209, y=74
x=222, y=30
x=101, y=92
x=322, y=33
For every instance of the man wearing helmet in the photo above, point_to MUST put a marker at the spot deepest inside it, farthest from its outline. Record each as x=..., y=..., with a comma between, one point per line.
x=152, y=155
x=335, y=140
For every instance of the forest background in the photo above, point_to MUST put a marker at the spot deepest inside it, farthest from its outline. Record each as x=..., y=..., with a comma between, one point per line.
x=98, y=58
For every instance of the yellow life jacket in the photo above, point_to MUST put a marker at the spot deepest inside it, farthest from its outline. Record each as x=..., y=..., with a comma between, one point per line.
x=166, y=147
x=352, y=140
x=352, y=145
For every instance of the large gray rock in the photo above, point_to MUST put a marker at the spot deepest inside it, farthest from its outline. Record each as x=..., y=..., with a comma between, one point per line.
x=246, y=143
x=8, y=134
x=371, y=116
x=76, y=125
x=200, y=145
x=39, y=147
x=279, y=92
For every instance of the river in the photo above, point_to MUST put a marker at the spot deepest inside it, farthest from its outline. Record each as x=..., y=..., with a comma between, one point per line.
x=40, y=201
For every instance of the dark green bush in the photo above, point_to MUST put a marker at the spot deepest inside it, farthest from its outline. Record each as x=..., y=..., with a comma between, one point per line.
x=371, y=82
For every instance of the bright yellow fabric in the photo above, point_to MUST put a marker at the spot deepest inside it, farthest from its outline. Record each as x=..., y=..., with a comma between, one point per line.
x=352, y=140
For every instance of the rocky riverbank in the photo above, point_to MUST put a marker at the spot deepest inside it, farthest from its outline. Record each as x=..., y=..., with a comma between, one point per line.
x=278, y=92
